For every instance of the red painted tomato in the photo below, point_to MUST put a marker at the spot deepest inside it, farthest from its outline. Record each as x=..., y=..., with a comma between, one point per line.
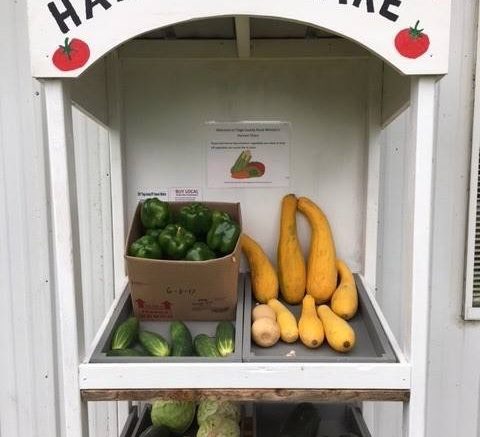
x=412, y=42
x=72, y=55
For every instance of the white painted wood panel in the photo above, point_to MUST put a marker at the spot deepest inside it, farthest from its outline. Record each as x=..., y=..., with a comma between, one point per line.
x=246, y=375
x=167, y=105
x=92, y=159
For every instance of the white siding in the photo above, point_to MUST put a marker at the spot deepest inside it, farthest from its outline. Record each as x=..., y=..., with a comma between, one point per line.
x=454, y=373
x=28, y=393
x=27, y=372
x=454, y=377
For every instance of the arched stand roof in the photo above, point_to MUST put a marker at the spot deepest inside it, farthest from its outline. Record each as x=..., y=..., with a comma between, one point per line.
x=95, y=27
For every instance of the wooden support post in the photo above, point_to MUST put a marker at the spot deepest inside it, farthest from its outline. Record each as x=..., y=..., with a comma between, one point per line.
x=115, y=132
x=416, y=262
x=66, y=272
x=374, y=114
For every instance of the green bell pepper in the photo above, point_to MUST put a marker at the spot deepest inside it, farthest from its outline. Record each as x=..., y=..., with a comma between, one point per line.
x=155, y=233
x=175, y=241
x=196, y=218
x=220, y=216
x=146, y=247
x=155, y=214
x=200, y=252
x=223, y=237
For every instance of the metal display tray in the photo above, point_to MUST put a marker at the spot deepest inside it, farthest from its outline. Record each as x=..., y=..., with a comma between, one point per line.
x=372, y=344
x=124, y=310
x=336, y=420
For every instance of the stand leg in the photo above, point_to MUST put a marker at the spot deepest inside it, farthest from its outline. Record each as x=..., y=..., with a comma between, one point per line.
x=417, y=239
x=67, y=283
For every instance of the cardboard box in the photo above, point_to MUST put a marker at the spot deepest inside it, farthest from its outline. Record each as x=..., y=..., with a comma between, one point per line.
x=184, y=290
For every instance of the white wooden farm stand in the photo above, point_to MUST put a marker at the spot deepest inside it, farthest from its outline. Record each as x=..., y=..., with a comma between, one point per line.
x=154, y=96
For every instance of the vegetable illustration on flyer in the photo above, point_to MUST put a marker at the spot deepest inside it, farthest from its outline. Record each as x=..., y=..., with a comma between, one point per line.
x=248, y=154
x=245, y=168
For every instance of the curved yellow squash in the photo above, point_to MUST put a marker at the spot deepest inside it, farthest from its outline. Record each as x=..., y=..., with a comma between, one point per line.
x=263, y=275
x=321, y=270
x=292, y=274
x=345, y=298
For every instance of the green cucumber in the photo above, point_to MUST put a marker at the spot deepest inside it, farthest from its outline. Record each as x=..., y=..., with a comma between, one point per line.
x=156, y=431
x=125, y=353
x=125, y=334
x=155, y=344
x=225, y=338
x=205, y=346
x=302, y=421
x=182, y=342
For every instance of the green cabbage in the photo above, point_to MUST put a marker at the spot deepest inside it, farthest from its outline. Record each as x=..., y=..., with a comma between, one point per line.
x=175, y=415
x=218, y=426
x=218, y=408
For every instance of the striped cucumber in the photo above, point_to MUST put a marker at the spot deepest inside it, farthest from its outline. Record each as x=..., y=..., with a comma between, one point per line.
x=205, y=346
x=125, y=334
x=155, y=344
x=225, y=338
x=182, y=342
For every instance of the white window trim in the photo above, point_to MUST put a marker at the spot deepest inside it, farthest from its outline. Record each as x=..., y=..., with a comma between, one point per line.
x=469, y=311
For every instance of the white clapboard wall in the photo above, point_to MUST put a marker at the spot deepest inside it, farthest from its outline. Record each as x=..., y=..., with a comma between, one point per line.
x=27, y=370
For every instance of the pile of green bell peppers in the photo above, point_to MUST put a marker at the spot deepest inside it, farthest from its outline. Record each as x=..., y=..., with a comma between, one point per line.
x=195, y=233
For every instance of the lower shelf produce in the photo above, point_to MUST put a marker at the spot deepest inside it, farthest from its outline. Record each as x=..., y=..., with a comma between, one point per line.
x=144, y=423
x=271, y=419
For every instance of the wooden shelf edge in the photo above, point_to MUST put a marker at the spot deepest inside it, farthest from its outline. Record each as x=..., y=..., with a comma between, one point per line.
x=292, y=395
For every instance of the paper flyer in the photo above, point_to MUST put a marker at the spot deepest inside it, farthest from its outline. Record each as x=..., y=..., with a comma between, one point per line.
x=248, y=154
